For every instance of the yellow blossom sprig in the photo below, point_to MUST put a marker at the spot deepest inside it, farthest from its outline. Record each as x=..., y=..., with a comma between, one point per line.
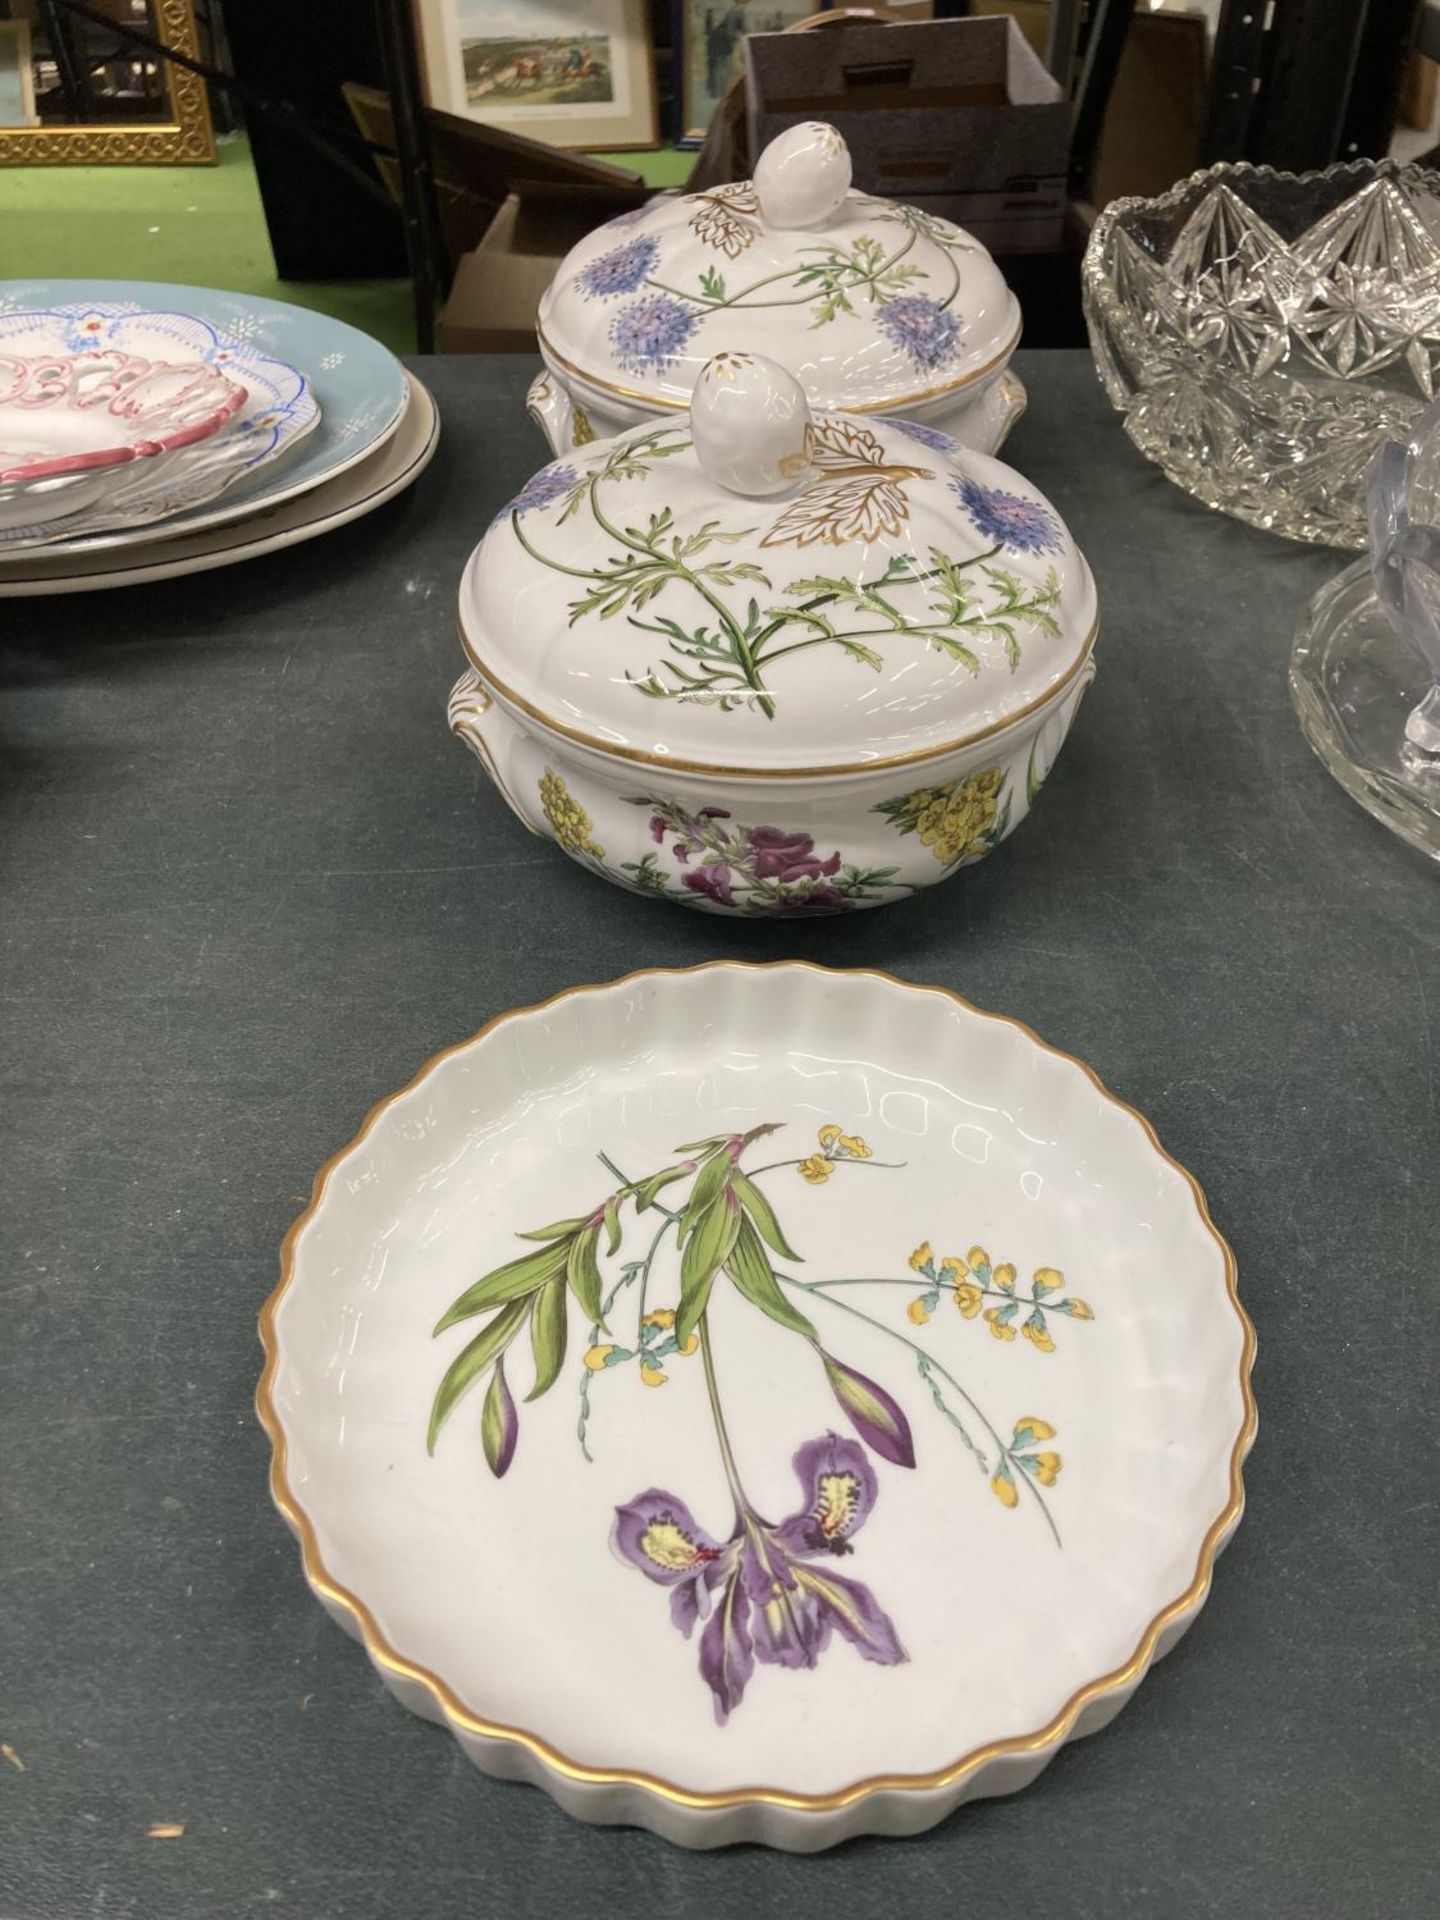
x=973, y=1280
x=835, y=1145
x=657, y=1343
x=1044, y=1467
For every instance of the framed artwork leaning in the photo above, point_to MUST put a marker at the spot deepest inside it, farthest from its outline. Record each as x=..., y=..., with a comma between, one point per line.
x=709, y=37
x=573, y=73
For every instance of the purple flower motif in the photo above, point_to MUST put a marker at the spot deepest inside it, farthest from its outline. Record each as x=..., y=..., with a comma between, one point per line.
x=931, y=437
x=814, y=900
x=540, y=490
x=787, y=856
x=713, y=881
x=621, y=270
x=922, y=329
x=1010, y=519
x=760, y=1593
x=876, y=1417
x=651, y=334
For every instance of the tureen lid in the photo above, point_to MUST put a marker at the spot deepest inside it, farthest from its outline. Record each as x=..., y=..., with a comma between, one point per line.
x=872, y=304
x=756, y=588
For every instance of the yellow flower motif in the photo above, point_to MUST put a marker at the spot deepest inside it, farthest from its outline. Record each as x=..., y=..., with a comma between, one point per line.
x=582, y=430
x=954, y=820
x=922, y=1257
x=968, y=1298
x=661, y=1317
x=816, y=1169
x=1048, y=1279
x=689, y=1344
x=997, y=1326
x=568, y=820
x=1078, y=1310
x=917, y=1313
x=1039, y=1337
x=1003, y=1488
x=828, y=1136
x=977, y=1257
x=951, y=1268
x=853, y=1147
x=1029, y=1430
x=597, y=1357
x=1004, y=1278
x=652, y=1375
x=1047, y=1468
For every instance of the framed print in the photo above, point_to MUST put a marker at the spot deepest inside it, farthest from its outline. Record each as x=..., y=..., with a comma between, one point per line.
x=574, y=73
x=17, y=79
x=74, y=91
x=711, y=40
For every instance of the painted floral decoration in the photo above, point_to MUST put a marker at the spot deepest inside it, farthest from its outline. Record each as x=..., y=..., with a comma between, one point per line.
x=960, y=820
x=568, y=819
x=651, y=334
x=924, y=330
x=765, y=1591
x=1009, y=519
x=542, y=489
x=622, y=270
x=751, y=869
x=761, y=1593
x=931, y=437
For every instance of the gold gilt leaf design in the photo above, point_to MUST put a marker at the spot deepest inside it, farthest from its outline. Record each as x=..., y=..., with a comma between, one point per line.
x=856, y=495
x=719, y=218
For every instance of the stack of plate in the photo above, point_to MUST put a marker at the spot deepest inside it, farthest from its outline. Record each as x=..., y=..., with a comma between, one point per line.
x=148, y=431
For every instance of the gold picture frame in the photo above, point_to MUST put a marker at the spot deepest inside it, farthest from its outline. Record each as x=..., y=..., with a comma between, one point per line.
x=187, y=138
x=533, y=33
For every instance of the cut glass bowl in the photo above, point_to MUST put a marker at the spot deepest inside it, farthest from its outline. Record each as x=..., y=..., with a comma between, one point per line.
x=1263, y=332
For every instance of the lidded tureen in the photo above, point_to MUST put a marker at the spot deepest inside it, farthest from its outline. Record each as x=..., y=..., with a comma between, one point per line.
x=768, y=660
x=874, y=306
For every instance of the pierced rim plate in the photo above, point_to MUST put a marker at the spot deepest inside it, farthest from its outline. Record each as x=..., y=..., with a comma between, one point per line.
x=912, y=1494
x=360, y=385
x=367, y=484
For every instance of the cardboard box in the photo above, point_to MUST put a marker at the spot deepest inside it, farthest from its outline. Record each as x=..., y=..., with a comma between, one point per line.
x=497, y=285
x=957, y=116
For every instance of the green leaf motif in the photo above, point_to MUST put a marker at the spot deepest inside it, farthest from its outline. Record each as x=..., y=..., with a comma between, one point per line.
x=499, y=1423
x=471, y=1362
x=557, y=1230
x=549, y=1325
x=750, y=1269
x=706, y=1251
x=510, y=1282
x=582, y=1270
x=612, y=1225
x=708, y=1182
x=763, y=1214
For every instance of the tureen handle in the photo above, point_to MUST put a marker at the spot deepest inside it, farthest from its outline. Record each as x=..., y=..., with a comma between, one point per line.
x=550, y=407
x=803, y=176
x=491, y=736
x=750, y=422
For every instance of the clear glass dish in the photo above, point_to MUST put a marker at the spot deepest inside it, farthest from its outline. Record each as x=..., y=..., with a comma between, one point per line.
x=1263, y=332
x=1365, y=672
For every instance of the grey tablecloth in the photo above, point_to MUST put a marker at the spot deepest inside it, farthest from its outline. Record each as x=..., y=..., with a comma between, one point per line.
x=248, y=883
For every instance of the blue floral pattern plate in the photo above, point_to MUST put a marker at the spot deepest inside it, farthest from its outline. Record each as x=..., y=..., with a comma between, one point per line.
x=324, y=394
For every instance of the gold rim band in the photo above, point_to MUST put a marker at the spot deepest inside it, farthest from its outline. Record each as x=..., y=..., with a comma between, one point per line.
x=608, y=749
x=659, y=402
x=464, y=1718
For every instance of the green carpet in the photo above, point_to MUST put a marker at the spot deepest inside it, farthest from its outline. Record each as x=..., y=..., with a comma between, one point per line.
x=203, y=225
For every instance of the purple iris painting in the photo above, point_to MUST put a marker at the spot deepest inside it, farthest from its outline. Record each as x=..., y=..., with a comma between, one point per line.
x=1009, y=519
x=768, y=1593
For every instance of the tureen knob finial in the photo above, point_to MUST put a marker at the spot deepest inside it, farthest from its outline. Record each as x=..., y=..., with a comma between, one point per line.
x=803, y=176
x=750, y=422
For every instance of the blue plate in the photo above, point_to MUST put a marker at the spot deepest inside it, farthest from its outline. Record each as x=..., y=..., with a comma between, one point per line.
x=360, y=385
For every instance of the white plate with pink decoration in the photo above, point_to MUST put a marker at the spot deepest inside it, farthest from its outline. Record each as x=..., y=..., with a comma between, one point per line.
x=759, y=1403
x=272, y=408
x=69, y=420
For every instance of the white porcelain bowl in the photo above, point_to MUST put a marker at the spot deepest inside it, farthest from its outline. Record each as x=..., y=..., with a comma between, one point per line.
x=763, y=660
x=899, y=1476
x=874, y=306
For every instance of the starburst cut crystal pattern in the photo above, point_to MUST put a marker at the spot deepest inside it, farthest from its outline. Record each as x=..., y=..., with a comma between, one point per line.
x=1262, y=332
